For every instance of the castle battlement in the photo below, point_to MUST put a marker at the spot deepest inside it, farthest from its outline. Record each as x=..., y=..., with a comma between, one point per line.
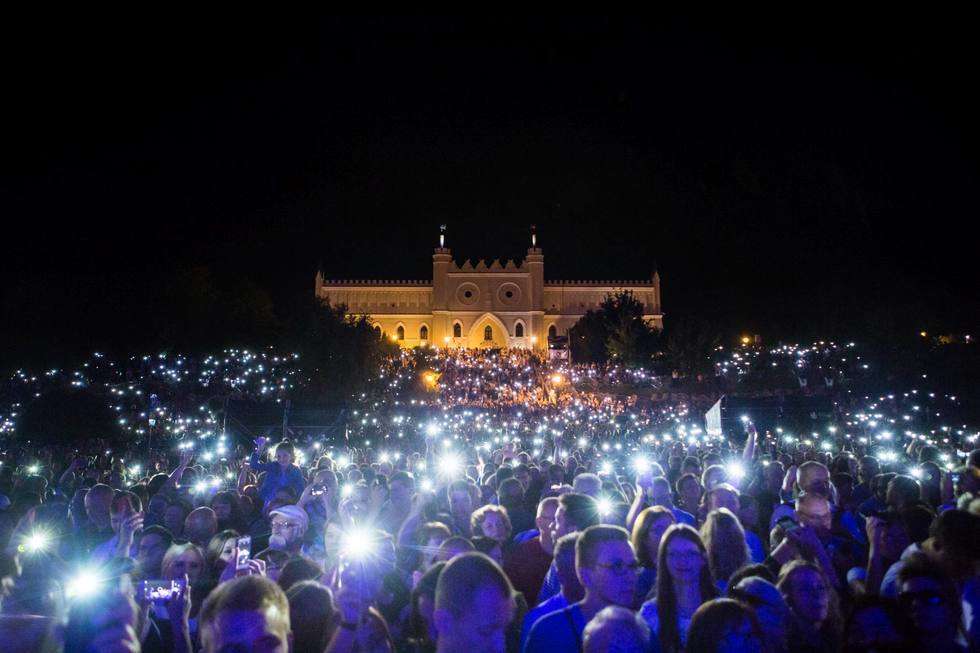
x=481, y=304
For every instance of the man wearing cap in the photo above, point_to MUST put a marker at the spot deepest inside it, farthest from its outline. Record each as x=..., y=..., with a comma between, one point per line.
x=289, y=524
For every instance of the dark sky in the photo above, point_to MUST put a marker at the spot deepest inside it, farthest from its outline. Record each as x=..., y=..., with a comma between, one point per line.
x=783, y=172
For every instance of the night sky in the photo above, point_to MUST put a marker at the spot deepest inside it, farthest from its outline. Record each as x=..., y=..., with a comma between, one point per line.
x=787, y=175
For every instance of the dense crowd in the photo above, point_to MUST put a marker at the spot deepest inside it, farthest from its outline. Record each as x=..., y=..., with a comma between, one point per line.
x=487, y=500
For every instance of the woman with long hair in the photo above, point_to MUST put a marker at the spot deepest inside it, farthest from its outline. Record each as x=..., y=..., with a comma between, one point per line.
x=219, y=551
x=724, y=539
x=817, y=623
x=648, y=530
x=228, y=509
x=684, y=582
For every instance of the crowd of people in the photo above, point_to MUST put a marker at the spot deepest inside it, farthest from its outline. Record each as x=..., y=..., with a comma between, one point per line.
x=486, y=500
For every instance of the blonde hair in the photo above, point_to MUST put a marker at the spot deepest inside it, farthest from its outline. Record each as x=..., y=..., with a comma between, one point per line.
x=177, y=550
x=724, y=538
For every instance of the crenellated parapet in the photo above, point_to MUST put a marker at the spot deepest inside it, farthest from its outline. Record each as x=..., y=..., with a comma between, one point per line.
x=618, y=283
x=376, y=282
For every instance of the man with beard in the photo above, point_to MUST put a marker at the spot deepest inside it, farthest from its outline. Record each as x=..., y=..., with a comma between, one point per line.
x=289, y=524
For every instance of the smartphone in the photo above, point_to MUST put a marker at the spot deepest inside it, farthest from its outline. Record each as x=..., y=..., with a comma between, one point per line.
x=160, y=591
x=788, y=525
x=244, y=545
x=318, y=490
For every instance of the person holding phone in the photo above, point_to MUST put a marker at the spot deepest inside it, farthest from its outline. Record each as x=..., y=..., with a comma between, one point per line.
x=282, y=473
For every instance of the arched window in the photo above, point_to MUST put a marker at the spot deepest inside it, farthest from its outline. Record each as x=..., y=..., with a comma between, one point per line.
x=519, y=330
x=487, y=333
x=400, y=331
x=424, y=333
x=552, y=331
x=457, y=330
x=377, y=329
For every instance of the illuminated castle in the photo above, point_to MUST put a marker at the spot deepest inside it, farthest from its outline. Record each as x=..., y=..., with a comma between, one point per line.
x=482, y=305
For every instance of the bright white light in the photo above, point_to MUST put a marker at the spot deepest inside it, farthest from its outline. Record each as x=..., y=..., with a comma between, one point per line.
x=916, y=472
x=427, y=485
x=605, y=506
x=745, y=419
x=357, y=543
x=36, y=542
x=432, y=430
x=346, y=490
x=641, y=464
x=606, y=467
x=735, y=470
x=84, y=584
x=342, y=461
x=450, y=464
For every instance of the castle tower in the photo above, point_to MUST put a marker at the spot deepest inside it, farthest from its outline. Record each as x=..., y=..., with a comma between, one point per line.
x=442, y=261
x=534, y=264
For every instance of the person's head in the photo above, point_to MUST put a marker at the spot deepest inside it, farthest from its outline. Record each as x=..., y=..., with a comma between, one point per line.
x=173, y=518
x=606, y=564
x=474, y=605
x=285, y=452
x=289, y=524
x=875, y=623
x=587, y=484
x=723, y=495
x=660, y=493
x=689, y=490
x=200, y=526
x=648, y=529
x=564, y=557
x=489, y=546
x=770, y=607
x=724, y=539
x=575, y=512
x=430, y=537
x=123, y=506
x=153, y=544
x=454, y=546
x=298, y=569
x=929, y=599
x=902, y=491
x=615, y=629
x=510, y=492
x=219, y=551
x=181, y=559
x=813, y=477
x=460, y=499
x=249, y=615
x=491, y=521
x=311, y=615
x=401, y=488
x=226, y=507
x=814, y=510
x=868, y=468
x=807, y=592
x=955, y=534
x=724, y=626
x=713, y=475
x=543, y=519
x=98, y=500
